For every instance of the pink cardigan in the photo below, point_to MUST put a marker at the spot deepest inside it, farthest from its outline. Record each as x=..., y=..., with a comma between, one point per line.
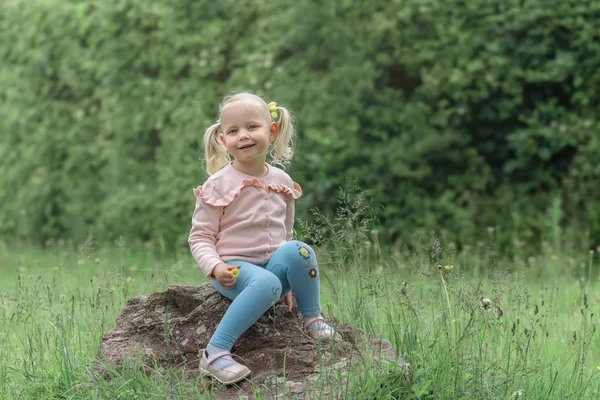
x=242, y=217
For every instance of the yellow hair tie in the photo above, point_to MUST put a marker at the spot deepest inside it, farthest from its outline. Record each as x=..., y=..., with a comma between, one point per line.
x=273, y=110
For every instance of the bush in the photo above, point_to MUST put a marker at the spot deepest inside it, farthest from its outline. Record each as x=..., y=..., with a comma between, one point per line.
x=454, y=116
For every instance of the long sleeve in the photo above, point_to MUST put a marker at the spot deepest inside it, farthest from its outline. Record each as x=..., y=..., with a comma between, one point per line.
x=203, y=235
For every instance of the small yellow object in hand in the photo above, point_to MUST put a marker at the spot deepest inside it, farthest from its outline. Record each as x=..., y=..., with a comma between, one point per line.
x=235, y=272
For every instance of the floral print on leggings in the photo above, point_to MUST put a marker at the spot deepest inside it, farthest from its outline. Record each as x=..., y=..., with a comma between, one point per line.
x=309, y=262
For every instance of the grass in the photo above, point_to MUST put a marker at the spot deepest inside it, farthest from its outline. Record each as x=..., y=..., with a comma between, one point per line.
x=487, y=328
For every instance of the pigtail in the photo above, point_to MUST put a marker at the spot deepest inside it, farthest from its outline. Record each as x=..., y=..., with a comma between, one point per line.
x=282, y=150
x=215, y=154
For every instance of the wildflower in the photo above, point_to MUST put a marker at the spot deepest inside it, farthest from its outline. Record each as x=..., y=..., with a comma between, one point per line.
x=498, y=311
x=591, y=251
x=485, y=303
x=517, y=394
x=113, y=289
x=554, y=257
x=81, y=262
x=235, y=272
x=448, y=267
x=97, y=261
x=598, y=367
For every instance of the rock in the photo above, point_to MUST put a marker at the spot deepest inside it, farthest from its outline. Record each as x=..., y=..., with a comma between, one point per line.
x=167, y=329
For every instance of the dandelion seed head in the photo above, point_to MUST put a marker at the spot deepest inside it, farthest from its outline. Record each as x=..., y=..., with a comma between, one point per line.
x=485, y=303
x=498, y=311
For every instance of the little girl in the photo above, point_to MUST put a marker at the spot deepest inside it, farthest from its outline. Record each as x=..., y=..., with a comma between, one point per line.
x=242, y=226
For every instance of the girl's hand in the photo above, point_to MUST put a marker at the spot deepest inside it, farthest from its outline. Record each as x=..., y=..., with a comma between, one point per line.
x=222, y=273
x=288, y=300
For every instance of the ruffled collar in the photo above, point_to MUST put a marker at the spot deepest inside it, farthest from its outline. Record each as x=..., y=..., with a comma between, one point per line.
x=220, y=194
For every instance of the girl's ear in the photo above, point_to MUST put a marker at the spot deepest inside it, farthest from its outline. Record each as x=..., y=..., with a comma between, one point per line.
x=273, y=131
x=222, y=138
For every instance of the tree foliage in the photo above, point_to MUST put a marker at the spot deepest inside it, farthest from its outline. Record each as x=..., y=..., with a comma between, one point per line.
x=453, y=116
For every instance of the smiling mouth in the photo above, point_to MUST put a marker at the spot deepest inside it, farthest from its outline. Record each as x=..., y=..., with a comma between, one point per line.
x=245, y=147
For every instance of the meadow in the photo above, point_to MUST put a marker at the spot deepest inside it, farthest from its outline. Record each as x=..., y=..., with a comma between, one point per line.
x=470, y=323
x=480, y=124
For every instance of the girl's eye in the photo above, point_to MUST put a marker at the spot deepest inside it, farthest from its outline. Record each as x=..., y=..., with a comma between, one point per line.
x=252, y=126
x=233, y=131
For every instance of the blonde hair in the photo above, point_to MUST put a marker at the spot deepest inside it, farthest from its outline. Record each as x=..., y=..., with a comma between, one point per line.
x=281, y=151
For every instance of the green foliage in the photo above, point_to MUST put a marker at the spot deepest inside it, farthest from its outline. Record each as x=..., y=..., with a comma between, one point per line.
x=454, y=116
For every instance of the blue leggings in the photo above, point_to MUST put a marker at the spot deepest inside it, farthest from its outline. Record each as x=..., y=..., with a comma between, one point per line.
x=292, y=267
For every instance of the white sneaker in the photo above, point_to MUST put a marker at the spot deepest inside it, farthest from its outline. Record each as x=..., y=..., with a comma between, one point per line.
x=322, y=331
x=228, y=375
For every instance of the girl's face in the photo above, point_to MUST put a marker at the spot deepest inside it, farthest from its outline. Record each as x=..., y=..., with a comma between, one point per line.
x=247, y=131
